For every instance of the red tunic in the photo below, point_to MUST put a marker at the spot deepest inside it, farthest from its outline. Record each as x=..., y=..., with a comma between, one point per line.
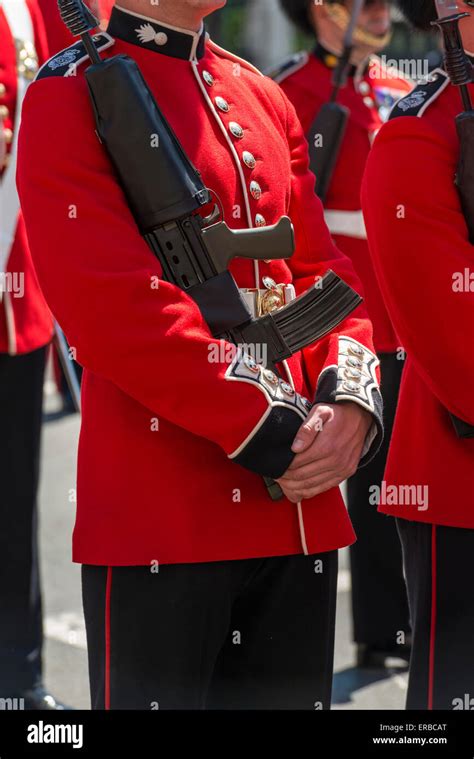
x=25, y=321
x=420, y=248
x=308, y=84
x=160, y=419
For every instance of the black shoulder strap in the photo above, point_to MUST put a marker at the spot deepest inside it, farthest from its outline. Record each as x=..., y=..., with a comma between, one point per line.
x=419, y=99
x=288, y=66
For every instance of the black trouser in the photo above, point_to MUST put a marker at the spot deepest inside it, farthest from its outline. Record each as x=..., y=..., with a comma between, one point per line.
x=248, y=634
x=439, y=567
x=21, y=401
x=379, y=598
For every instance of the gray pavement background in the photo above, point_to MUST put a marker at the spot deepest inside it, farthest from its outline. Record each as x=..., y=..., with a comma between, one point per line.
x=65, y=645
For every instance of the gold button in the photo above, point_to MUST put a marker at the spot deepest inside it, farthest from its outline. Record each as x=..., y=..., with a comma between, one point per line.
x=3, y=90
x=222, y=104
x=364, y=88
x=236, y=130
x=270, y=377
x=249, y=159
x=208, y=78
x=331, y=60
x=355, y=363
x=4, y=112
x=369, y=102
x=356, y=350
x=251, y=364
x=353, y=374
x=287, y=389
x=8, y=135
x=260, y=220
x=255, y=190
x=351, y=387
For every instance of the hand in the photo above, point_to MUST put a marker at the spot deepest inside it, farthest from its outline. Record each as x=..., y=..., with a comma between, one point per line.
x=328, y=448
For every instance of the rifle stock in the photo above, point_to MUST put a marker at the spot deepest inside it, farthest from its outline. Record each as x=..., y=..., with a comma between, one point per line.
x=329, y=127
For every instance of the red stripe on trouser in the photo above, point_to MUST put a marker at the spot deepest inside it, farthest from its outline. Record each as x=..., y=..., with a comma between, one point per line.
x=108, y=591
x=433, y=619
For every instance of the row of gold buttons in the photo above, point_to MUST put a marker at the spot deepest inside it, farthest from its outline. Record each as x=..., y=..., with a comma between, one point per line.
x=272, y=378
x=353, y=372
x=237, y=131
x=7, y=134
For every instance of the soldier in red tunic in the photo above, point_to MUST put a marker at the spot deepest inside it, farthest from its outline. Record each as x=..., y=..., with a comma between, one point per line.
x=379, y=603
x=421, y=251
x=199, y=591
x=25, y=331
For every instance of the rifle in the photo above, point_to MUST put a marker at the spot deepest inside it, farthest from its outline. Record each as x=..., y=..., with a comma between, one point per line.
x=165, y=194
x=331, y=121
x=461, y=72
x=68, y=367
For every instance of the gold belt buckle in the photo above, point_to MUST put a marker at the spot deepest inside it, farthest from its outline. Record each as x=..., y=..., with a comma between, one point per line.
x=271, y=298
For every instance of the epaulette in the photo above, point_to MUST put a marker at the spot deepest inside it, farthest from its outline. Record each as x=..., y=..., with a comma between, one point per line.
x=223, y=53
x=417, y=101
x=66, y=62
x=288, y=66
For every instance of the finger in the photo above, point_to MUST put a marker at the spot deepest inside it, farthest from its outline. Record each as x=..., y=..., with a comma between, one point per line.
x=292, y=495
x=308, y=431
x=313, y=468
x=323, y=487
x=311, y=457
x=314, y=476
x=301, y=486
x=325, y=447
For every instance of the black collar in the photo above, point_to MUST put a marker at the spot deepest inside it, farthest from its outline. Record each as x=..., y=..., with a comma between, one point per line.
x=329, y=59
x=160, y=38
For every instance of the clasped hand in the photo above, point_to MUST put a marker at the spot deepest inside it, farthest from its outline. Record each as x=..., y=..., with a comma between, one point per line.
x=328, y=447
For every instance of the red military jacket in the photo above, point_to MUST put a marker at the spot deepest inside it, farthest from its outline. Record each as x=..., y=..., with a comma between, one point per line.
x=57, y=32
x=424, y=261
x=163, y=417
x=25, y=321
x=370, y=92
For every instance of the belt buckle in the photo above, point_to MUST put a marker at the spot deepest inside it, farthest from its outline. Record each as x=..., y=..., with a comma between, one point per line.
x=270, y=299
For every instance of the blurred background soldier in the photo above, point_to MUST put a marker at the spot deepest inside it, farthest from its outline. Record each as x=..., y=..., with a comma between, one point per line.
x=421, y=243
x=58, y=35
x=379, y=604
x=25, y=331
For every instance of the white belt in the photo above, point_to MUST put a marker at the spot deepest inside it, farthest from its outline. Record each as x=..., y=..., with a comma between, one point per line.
x=348, y=223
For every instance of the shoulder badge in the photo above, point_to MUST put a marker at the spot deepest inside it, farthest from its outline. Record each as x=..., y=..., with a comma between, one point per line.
x=288, y=66
x=66, y=62
x=417, y=101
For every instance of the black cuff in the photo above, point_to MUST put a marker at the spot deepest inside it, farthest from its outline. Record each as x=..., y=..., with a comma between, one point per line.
x=267, y=450
x=463, y=429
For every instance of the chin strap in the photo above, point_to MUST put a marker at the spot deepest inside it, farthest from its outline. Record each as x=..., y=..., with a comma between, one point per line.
x=341, y=17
